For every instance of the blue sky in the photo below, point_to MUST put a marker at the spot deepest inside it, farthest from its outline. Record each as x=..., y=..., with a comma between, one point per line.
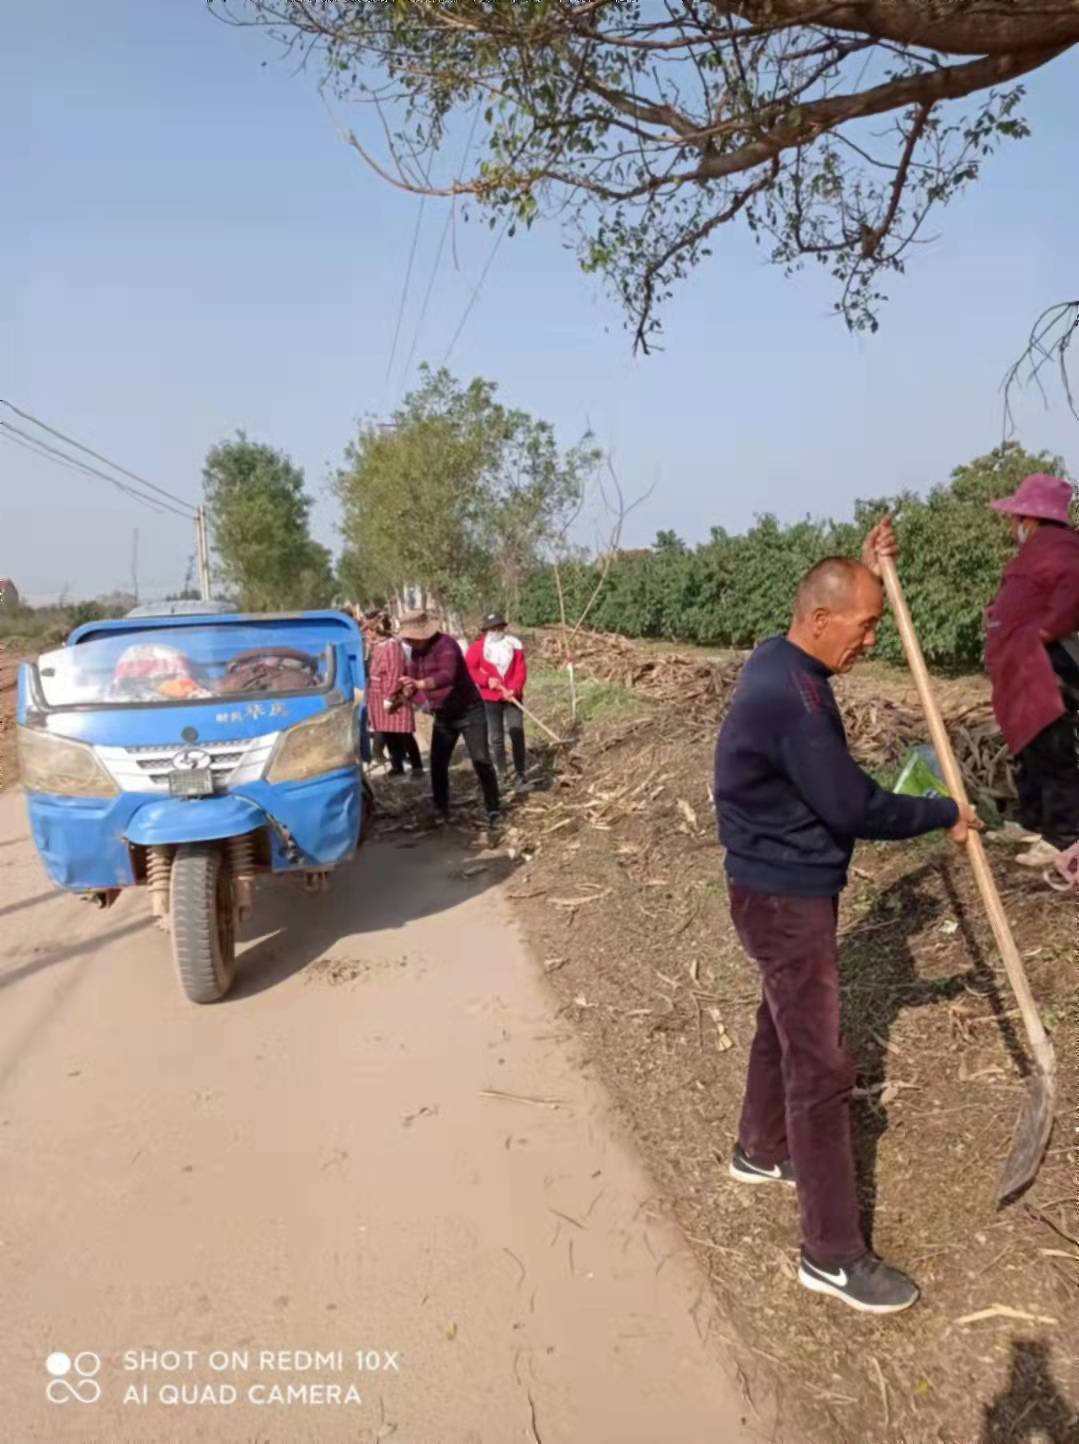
x=187, y=248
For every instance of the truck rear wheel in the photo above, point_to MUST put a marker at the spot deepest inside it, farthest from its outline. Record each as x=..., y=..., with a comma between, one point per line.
x=203, y=911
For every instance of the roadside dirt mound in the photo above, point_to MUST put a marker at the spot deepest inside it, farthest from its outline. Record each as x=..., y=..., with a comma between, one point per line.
x=882, y=717
x=624, y=902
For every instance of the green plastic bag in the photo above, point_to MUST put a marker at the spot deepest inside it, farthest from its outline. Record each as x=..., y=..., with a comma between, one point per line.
x=920, y=774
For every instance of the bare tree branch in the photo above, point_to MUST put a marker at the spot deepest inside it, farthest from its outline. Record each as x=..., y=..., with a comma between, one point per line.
x=645, y=128
x=925, y=88
x=974, y=27
x=1050, y=341
x=873, y=235
x=619, y=512
x=688, y=242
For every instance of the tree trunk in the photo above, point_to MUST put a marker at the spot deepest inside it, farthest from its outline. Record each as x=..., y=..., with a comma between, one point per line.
x=978, y=27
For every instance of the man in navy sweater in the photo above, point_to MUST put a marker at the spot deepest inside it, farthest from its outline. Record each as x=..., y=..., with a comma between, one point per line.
x=791, y=801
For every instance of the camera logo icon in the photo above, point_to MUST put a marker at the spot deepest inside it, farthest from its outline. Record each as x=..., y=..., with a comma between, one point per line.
x=73, y=1379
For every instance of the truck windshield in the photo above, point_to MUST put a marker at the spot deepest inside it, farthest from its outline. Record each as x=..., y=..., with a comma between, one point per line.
x=182, y=664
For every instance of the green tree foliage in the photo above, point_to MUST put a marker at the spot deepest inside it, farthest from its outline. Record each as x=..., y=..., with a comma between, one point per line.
x=83, y=612
x=830, y=129
x=352, y=584
x=732, y=591
x=458, y=494
x=259, y=516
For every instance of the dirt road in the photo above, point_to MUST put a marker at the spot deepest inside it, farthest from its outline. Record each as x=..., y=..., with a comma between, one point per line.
x=315, y=1166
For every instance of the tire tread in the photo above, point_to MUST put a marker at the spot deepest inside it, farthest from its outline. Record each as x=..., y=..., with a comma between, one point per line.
x=204, y=976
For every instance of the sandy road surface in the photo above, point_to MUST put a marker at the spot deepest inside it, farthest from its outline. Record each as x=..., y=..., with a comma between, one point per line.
x=313, y=1166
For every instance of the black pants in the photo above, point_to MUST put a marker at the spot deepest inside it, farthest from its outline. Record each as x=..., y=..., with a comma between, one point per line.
x=472, y=726
x=501, y=715
x=402, y=747
x=1047, y=780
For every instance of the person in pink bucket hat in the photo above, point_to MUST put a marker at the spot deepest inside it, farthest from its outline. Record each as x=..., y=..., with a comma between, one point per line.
x=1032, y=656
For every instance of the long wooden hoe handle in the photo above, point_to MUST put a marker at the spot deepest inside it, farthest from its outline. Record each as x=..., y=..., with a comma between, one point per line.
x=533, y=718
x=1013, y=964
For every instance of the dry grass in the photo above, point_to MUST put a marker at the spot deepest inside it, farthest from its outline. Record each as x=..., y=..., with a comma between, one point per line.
x=10, y=657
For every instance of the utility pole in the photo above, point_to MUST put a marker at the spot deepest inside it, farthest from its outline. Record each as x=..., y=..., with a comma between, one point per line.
x=203, y=554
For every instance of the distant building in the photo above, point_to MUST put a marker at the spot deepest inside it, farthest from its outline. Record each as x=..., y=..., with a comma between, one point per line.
x=9, y=593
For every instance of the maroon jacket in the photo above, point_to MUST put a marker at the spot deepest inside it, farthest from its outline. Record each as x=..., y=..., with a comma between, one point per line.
x=1039, y=593
x=442, y=663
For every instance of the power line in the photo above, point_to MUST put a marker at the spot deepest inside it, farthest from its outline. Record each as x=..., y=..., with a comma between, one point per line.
x=476, y=292
x=404, y=295
x=7, y=434
x=53, y=453
x=69, y=463
x=72, y=463
x=133, y=475
x=441, y=248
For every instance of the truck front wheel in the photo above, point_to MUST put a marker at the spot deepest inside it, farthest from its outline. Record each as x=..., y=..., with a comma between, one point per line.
x=203, y=910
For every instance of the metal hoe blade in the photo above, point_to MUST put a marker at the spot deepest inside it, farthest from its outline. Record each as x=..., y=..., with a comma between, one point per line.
x=1031, y=1137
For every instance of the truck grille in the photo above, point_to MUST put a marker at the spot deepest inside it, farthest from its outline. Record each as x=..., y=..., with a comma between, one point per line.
x=146, y=769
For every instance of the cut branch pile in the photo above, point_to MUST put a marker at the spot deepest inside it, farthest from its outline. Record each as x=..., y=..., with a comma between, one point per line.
x=880, y=731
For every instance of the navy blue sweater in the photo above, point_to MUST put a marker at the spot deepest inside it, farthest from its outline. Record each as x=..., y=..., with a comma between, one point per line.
x=790, y=799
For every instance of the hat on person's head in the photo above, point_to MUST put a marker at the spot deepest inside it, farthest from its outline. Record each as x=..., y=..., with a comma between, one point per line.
x=416, y=627
x=493, y=620
x=1042, y=497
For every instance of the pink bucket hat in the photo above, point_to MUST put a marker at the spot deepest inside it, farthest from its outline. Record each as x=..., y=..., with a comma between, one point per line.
x=1046, y=498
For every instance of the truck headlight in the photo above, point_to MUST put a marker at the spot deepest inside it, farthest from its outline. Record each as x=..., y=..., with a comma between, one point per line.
x=323, y=744
x=60, y=766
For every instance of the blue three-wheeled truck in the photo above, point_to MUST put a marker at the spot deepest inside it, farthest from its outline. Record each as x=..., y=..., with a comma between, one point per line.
x=188, y=754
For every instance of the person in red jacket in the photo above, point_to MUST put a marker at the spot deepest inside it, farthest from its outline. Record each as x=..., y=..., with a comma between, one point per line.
x=496, y=660
x=1032, y=656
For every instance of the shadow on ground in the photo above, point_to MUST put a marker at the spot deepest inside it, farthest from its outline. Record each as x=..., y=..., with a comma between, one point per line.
x=390, y=883
x=26, y=902
x=1030, y=1409
x=50, y=957
x=880, y=981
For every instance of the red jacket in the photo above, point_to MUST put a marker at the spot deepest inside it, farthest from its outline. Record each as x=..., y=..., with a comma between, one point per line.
x=1039, y=593
x=487, y=677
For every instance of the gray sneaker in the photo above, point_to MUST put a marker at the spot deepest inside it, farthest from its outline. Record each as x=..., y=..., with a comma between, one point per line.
x=868, y=1284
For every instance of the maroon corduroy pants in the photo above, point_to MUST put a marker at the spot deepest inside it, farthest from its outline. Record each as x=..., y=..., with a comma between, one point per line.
x=798, y=1093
